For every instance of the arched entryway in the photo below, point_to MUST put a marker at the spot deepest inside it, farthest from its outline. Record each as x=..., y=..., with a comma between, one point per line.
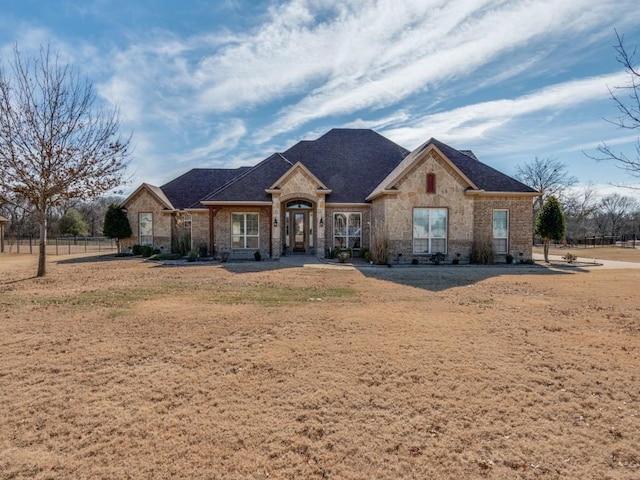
x=299, y=232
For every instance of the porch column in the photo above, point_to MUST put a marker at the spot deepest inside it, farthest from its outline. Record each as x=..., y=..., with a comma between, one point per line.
x=320, y=236
x=276, y=230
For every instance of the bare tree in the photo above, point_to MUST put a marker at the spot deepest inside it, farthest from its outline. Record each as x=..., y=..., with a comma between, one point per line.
x=627, y=100
x=547, y=175
x=615, y=209
x=56, y=142
x=579, y=206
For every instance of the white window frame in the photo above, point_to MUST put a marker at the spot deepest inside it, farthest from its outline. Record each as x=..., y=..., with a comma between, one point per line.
x=244, y=237
x=426, y=236
x=145, y=233
x=352, y=235
x=500, y=235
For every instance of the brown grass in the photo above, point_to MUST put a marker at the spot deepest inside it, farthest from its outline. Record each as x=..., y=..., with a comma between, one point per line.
x=118, y=368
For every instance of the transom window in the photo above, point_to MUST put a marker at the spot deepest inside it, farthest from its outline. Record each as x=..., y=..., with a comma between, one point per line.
x=501, y=231
x=299, y=204
x=429, y=230
x=347, y=229
x=245, y=230
x=145, y=229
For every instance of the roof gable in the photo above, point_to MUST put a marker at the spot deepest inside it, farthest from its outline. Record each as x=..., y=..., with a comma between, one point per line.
x=298, y=168
x=155, y=192
x=477, y=175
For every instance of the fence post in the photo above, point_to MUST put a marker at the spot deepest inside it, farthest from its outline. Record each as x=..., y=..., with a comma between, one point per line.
x=56, y=245
x=31, y=244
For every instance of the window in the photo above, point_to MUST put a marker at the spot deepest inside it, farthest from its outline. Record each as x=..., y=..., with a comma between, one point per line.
x=431, y=183
x=245, y=231
x=501, y=231
x=429, y=230
x=145, y=229
x=347, y=230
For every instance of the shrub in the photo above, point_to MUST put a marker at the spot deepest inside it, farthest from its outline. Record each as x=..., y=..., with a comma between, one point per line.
x=482, y=253
x=380, y=245
x=192, y=256
x=570, y=257
x=528, y=261
x=146, y=251
x=367, y=256
x=203, y=251
x=455, y=261
x=136, y=249
x=257, y=255
x=508, y=258
x=363, y=252
x=437, y=258
x=343, y=256
x=414, y=261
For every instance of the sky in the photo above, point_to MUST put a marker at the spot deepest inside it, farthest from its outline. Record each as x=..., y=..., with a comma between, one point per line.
x=223, y=84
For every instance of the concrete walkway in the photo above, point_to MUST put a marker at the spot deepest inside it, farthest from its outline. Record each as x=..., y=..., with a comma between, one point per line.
x=589, y=262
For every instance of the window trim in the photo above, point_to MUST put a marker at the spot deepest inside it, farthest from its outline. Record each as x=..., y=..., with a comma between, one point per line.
x=347, y=236
x=429, y=237
x=493, y=227
x=140, y=242
x=245, y=236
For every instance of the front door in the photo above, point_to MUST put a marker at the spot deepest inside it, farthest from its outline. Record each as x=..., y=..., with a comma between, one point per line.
x=299, y=232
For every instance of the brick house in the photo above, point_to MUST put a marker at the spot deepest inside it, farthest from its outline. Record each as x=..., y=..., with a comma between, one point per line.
x=340, y=190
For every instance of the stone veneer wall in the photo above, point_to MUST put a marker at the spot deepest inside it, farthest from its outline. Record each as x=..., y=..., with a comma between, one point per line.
x=222, y=232
x=520, y=221
x=397, y=210
x=144, y=202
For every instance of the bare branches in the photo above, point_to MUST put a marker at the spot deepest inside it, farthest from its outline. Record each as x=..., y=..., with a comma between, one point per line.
x=56, y=142
x=547, y=175
x=627, y=100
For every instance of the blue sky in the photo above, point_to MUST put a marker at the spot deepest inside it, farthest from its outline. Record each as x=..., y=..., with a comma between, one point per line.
x=226, y=83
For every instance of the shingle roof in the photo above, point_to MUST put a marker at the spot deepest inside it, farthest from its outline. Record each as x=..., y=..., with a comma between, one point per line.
x=188, y=189
x=251, y=185
x=350, y=162
x=482, y=175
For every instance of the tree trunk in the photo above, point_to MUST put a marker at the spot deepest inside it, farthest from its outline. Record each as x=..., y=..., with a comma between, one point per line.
x=547, y=241
x=42, y=251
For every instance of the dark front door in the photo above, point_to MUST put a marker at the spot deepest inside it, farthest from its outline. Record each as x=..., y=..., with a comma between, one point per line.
x=299, y=232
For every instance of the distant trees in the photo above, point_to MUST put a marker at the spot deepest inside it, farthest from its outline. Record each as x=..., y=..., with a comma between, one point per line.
x=547, y=175
x=73, y=224
x=56, y=143
x=550, y=224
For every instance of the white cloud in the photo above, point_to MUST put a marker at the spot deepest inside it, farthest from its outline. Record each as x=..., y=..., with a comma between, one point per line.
x=476, y=120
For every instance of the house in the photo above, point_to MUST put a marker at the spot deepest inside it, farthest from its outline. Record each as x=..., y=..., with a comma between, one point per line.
x=349, y=188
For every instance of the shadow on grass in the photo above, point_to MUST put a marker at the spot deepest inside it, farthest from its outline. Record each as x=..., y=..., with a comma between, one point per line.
x=443, y=277
x=100, y=258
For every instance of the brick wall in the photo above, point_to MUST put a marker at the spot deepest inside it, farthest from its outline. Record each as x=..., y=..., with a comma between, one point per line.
x=144, y=202
x=520, y=221
x=222, y=232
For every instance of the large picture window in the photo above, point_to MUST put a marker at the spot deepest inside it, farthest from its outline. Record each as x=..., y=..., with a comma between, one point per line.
x=347, y=230
x=429, y=230
x=145, y=229
x=245, y=231
x=501, y=231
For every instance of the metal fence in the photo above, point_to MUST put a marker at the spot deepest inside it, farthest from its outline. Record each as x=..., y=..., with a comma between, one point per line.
x=59, y=245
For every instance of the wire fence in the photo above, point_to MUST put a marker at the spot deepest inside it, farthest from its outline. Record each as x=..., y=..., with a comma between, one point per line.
x=58, y=245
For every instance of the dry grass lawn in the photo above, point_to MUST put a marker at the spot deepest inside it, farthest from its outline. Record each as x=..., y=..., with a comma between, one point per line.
x=118, y=368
